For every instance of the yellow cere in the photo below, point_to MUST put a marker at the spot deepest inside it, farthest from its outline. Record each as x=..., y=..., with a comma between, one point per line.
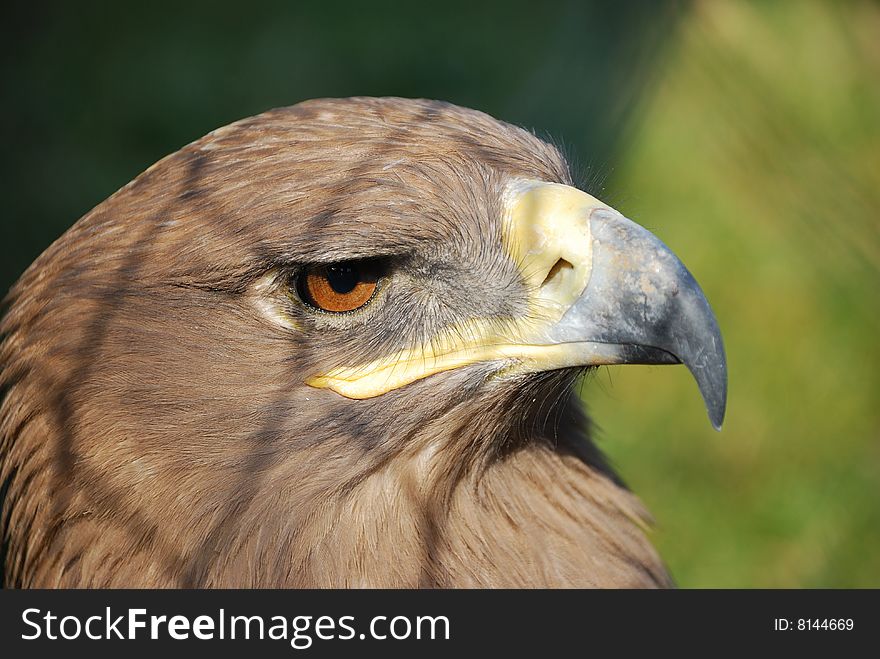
x=546, y=231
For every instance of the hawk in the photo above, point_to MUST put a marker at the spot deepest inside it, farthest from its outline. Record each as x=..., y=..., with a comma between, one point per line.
x=334, y=345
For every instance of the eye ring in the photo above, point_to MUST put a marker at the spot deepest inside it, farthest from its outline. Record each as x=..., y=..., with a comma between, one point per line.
x=338, y=288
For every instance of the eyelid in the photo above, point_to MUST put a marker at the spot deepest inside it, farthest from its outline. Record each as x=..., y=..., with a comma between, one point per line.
x=383, y=263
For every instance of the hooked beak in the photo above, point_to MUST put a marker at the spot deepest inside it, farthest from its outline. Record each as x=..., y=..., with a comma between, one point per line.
x=643, y=306
x=640, y=304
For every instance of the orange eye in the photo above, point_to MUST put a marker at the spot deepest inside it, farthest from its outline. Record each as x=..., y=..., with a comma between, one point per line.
x=339, y=287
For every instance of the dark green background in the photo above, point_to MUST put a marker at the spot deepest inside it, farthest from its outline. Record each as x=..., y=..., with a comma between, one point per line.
x=744, y=134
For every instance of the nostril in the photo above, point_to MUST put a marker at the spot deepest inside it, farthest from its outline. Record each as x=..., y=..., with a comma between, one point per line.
x=558, y=271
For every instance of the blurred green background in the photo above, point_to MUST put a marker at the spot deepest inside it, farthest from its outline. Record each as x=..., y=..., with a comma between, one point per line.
x=745, y=134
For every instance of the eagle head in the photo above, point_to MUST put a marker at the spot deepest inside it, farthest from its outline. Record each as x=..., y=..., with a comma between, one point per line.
x=334, y=345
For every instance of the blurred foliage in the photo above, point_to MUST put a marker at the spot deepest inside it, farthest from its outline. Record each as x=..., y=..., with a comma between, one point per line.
x=746, y=135
x=757, y=157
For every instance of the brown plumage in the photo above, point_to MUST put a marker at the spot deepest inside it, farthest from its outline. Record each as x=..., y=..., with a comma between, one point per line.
x=156, y=428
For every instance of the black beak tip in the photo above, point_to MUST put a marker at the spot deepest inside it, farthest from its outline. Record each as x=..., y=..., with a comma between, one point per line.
x=712, y=381
x=718, y=407
x=716, y=416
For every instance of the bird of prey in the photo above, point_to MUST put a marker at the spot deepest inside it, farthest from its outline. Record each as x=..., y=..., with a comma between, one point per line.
x=334, y=345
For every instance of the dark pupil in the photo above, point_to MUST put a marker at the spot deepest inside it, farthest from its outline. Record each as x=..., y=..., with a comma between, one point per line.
x=343, y=278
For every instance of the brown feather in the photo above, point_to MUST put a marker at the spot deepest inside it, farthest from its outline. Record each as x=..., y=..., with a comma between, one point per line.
x=156, y=431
